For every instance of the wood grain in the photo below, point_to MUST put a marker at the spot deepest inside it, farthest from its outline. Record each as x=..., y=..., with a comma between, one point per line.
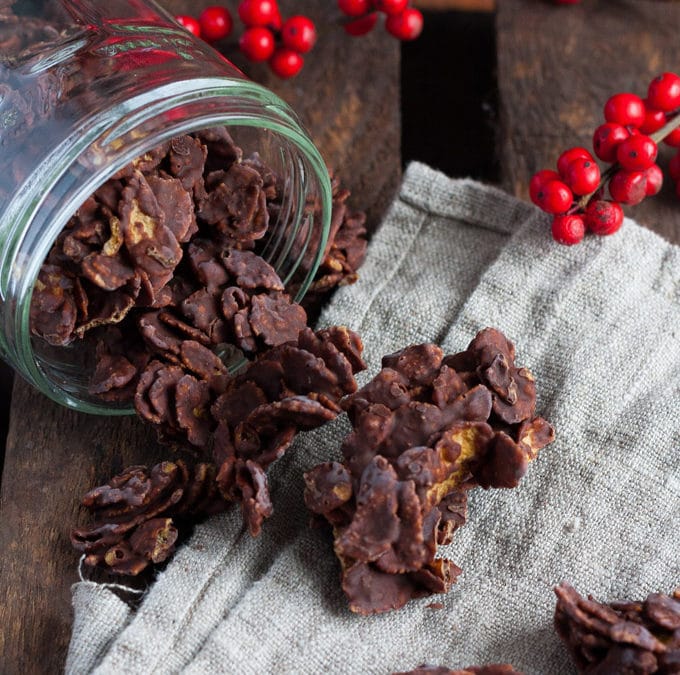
x=348, y=98
x=456, y=5
x=557, y=65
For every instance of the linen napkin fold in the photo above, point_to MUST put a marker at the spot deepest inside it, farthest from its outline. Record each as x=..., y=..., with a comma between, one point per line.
x=598, y=325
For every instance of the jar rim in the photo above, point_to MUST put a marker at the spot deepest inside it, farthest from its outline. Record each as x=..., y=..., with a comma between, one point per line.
x=236, y=103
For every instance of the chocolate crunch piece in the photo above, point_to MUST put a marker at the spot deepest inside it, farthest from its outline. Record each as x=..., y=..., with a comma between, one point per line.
x=426, y=429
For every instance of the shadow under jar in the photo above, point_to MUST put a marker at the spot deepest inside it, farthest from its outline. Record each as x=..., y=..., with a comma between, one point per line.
x=85, y=89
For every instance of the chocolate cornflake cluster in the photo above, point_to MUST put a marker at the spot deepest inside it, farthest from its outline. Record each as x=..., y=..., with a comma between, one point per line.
x=168, y=249
x=491, y=669
x=639, y=638
x=160, y=270
x=137, y=514
x=344, y=253
x=243, y=423
x=426, y=429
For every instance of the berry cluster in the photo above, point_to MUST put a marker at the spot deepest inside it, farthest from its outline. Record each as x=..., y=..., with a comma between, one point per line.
x=627, y=141
x=401, y=21
x=266, y=36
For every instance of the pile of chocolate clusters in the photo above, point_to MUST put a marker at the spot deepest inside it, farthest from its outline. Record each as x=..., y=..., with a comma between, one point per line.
x=168, y=249
x=426, y=429
x=160, y=268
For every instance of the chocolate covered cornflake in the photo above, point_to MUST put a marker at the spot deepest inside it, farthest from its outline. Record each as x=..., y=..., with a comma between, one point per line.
x=243, y=423
x=138, y=514
x=119, y=361
x=167, y=250
x=640, y=638
x=491, y=669
x=53, y=307
x=426, y=429
x=344, y=253
x=293, y=387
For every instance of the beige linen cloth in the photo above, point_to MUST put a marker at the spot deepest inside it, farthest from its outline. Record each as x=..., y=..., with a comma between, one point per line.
x=599, y=326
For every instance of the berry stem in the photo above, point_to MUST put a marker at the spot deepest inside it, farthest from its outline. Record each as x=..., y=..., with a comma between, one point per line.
x=672, y=124
x=658, y=136
x=581, y=204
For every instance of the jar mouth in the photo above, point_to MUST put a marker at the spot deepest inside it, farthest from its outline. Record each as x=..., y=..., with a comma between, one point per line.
x=102, y=146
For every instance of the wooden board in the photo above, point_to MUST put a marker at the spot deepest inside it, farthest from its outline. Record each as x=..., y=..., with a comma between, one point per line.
x=348, y=98
x=557, y=65
x=455, y=5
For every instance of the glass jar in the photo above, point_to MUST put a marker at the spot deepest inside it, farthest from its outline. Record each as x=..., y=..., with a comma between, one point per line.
x=85, y=88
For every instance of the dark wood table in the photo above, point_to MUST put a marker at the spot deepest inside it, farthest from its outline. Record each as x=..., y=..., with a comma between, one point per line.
x=556, y=67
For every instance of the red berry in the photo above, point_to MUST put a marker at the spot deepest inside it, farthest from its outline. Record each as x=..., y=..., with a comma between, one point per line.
x=568, y=156
x=538, y=180
x=354, y=7
x=628, y=187
x=654, y=120
x=674, y=167
x=673, y=139
x=390, y=6
x=216, y=23
x=259, y=13
x=554, y=197
x=664, y=92
x=637, y=153
x=257, y=43
x=568, y=230
x=603, y=217
x=361, y=26
x=276, y=22
x=625, y=109
x=654, y=177
x=298, y=33
x=405, y=26
x=189, y=23
x=286, y=62
x=607, y=138
x=582, y=176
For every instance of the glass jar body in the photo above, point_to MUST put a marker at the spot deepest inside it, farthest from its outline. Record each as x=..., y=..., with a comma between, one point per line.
x=85, y=89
